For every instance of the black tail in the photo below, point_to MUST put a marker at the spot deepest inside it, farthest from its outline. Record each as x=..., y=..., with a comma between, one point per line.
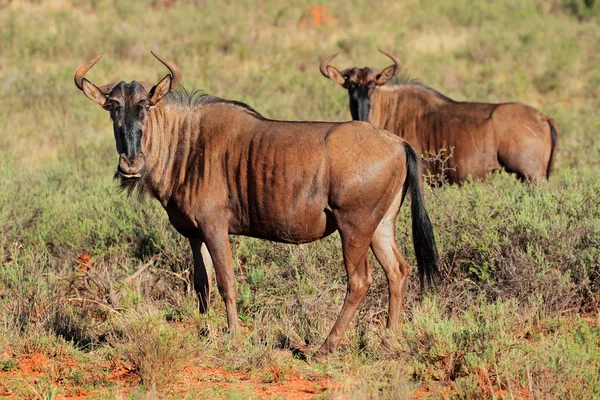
x=423, y=238
x=554, y=139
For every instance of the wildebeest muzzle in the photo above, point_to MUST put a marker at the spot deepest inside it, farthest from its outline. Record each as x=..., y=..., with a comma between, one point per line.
x=131, y=167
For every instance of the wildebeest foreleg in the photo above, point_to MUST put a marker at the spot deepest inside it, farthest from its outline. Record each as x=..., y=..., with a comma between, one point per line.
x=360, y=279
x=203, y=272
x=217, y=242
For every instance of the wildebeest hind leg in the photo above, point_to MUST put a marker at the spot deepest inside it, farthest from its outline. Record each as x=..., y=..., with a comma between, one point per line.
x=360, y=279
x=217, y=242
x=396, y=268
x=385, y=249
x=203, y=272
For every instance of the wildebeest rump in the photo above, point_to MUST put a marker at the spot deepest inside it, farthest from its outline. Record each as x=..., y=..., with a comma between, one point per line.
x=482, y=137
x=218, y=167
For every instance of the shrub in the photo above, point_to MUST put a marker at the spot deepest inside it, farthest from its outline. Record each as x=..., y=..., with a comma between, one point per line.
x=155, y=349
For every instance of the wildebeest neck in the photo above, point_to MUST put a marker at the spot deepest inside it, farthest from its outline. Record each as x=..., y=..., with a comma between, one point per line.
x=393, y=103
x=182, y=142
x=167, y=142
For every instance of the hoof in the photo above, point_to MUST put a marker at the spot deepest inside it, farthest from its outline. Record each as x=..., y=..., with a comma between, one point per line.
x=203, y=308
x=320, y=357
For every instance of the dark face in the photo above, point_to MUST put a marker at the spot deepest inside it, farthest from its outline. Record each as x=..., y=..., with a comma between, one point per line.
x=129, y=105
x=360, y=84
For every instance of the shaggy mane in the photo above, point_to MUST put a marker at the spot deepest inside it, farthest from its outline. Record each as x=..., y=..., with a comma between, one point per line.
x=181, y=97
x=405, y=80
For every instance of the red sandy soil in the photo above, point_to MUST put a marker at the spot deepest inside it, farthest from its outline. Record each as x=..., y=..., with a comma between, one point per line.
x=268, y=383
x=291, y=387
x=191, y=379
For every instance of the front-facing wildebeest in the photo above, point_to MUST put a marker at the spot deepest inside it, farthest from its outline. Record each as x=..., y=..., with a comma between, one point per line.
x=482, y=137
x=218, y=167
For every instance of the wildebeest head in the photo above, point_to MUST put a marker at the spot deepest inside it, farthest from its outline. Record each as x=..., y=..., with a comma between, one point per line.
x=128, y=104
x=360, y=83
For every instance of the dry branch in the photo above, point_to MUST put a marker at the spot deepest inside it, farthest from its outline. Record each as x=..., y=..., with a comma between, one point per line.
x=142, y=268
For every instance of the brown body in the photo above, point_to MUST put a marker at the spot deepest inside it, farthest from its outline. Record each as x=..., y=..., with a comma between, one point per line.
x=267, y=179
x=480, y=137
x=220, y=168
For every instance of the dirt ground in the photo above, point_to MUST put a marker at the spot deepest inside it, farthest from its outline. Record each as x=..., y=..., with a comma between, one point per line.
x=33, y=370
x=30, y=374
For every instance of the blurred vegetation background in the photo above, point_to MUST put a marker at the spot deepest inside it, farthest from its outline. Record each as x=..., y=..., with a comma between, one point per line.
x=517, y=311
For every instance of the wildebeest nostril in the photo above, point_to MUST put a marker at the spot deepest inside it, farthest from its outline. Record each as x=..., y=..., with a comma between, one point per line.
x=123, y=162
x=131, y=165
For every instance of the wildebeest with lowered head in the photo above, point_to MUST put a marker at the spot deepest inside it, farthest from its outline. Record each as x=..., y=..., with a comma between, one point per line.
x=218, y=167
x=483, y=137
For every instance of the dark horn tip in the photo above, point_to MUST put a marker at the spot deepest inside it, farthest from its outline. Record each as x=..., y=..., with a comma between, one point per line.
x=394, y=58
x=98, y=57
x=173, y=68
x=334, y=55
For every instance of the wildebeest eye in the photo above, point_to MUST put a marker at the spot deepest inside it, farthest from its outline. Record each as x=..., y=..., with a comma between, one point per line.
x=115, y=106
x=140, y=108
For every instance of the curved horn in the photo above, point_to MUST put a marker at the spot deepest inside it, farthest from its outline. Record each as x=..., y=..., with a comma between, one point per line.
x=175, y=71
x=324, y=63
x=395, y=59
x=80, y=74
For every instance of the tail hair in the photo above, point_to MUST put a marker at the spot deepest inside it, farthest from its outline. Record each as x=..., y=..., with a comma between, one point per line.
x=422, y=229
x=554, y=140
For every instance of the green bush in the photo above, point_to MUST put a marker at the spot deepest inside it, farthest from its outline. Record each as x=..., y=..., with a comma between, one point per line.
x=156, y=350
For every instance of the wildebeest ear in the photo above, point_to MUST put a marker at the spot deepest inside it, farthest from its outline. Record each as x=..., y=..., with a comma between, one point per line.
x=386, y=74
x=160, y=90
x=94, y=93
x=335, y=75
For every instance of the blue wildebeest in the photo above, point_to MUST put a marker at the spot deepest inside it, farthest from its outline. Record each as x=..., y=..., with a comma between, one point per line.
x=482, y=137
x=218, y=167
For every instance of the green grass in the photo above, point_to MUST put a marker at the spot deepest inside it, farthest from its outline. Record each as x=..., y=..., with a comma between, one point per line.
x=516, y=313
